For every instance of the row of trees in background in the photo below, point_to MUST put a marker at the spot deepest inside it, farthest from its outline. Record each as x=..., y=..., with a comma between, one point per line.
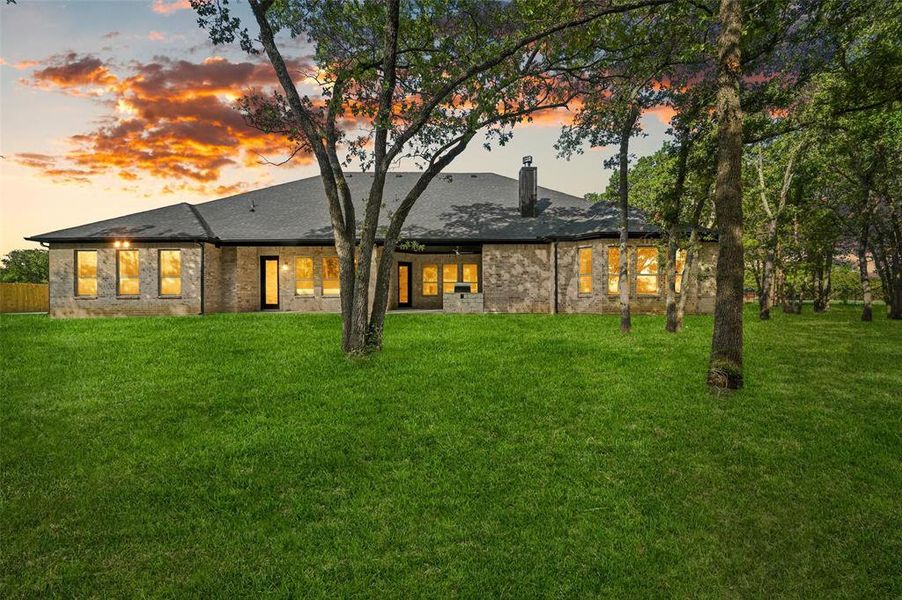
x=818, y=162
x=765, y=96
x=29, y=265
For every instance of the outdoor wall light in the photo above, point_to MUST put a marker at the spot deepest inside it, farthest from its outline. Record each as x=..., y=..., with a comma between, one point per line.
x=117, y=243
x=126, y=244
x=285, y=267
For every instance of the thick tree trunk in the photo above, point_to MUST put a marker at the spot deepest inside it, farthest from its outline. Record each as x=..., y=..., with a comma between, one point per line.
x=362, y=341
x=895, y=307
x=625, y=134
x=725, y=368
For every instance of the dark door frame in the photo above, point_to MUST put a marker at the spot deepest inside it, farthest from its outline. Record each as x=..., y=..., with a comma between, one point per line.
x=263, y=304
x=409, y=266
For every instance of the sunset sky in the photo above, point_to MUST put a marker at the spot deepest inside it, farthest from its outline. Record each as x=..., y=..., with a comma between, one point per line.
x=108, y=108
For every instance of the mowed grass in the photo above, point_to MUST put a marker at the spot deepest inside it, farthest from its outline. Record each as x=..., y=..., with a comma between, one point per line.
x=477, y=455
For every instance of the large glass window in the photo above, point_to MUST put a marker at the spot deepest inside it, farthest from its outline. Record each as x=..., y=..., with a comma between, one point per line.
x=128, y=273
x=585, y=270
x=614, y=270
x=86, y=273
x=430, y=280
x=449, y=278
x=471, y=276
x=303, y=276
x=647, y=265
x=170, y=272
x=680, y=265
x=331, y=283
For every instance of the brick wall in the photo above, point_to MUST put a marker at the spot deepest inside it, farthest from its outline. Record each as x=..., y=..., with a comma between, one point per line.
x=64, y=302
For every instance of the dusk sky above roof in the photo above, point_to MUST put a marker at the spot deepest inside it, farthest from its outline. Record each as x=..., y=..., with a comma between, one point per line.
x=108, y=108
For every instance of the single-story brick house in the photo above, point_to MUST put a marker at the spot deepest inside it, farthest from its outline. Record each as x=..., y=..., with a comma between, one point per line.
x=476, y=242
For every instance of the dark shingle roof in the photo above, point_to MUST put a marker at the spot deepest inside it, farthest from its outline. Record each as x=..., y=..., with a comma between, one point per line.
x=455, y=207
x=175, y=222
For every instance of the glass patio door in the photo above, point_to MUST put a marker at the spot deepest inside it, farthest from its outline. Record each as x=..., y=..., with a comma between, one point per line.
x=404, y=284
x=269, y=282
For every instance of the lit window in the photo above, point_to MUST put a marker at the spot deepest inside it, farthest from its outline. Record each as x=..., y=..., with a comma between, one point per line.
x=614, y=270
x=128, y=273
x=86, y=268
x=331, y=283
x=449, y=278
x=471, y=276
x=585, y=270
x=170, y=272
x=647, y=265
x=680, y=265
x=430, y=280
x=303, y=276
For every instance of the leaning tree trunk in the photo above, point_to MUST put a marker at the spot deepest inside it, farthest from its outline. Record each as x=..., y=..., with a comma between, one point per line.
x=725, y=368
x=822, y=282
x=625, y=135
x=673, y=322
x=867, y=312
x=764, y=300
x=691, y=250
x=393, y=235
x=686, y=278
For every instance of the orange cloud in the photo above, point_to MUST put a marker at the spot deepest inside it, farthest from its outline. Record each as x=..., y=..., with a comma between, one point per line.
x=663, y=112
x=74, y=75
x=156, y=36
x=165, y=7
x=169, y=119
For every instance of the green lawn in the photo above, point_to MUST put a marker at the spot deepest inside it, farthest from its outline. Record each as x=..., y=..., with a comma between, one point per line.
x=478, y=455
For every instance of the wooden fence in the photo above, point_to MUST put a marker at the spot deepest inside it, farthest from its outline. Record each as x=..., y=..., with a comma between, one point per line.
x=24, y=297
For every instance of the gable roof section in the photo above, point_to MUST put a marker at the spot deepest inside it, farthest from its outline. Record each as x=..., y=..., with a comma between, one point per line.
x=456, y=207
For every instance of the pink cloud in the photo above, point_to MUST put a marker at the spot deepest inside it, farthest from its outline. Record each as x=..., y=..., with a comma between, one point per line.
x=21, y=65
x=165, y=7
x=156, y=36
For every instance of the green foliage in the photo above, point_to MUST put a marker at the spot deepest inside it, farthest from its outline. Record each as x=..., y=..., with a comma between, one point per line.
x=25, y=266
x=240, y=455
x=846, y=284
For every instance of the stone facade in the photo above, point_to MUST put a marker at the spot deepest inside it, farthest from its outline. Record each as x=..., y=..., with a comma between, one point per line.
x=518, y=277
x=463, y=303
x=234, y=283
x=417, y=299
x=512, y=278
x=107, y=302
x=701, y=286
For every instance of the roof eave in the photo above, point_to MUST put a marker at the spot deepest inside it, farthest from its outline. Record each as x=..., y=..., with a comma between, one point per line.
x=49, y=239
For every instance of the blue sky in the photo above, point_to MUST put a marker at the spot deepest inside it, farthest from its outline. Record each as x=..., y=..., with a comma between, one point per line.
x=108, y=108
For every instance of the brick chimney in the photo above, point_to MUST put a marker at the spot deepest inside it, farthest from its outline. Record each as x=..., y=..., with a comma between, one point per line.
x=529, y=188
